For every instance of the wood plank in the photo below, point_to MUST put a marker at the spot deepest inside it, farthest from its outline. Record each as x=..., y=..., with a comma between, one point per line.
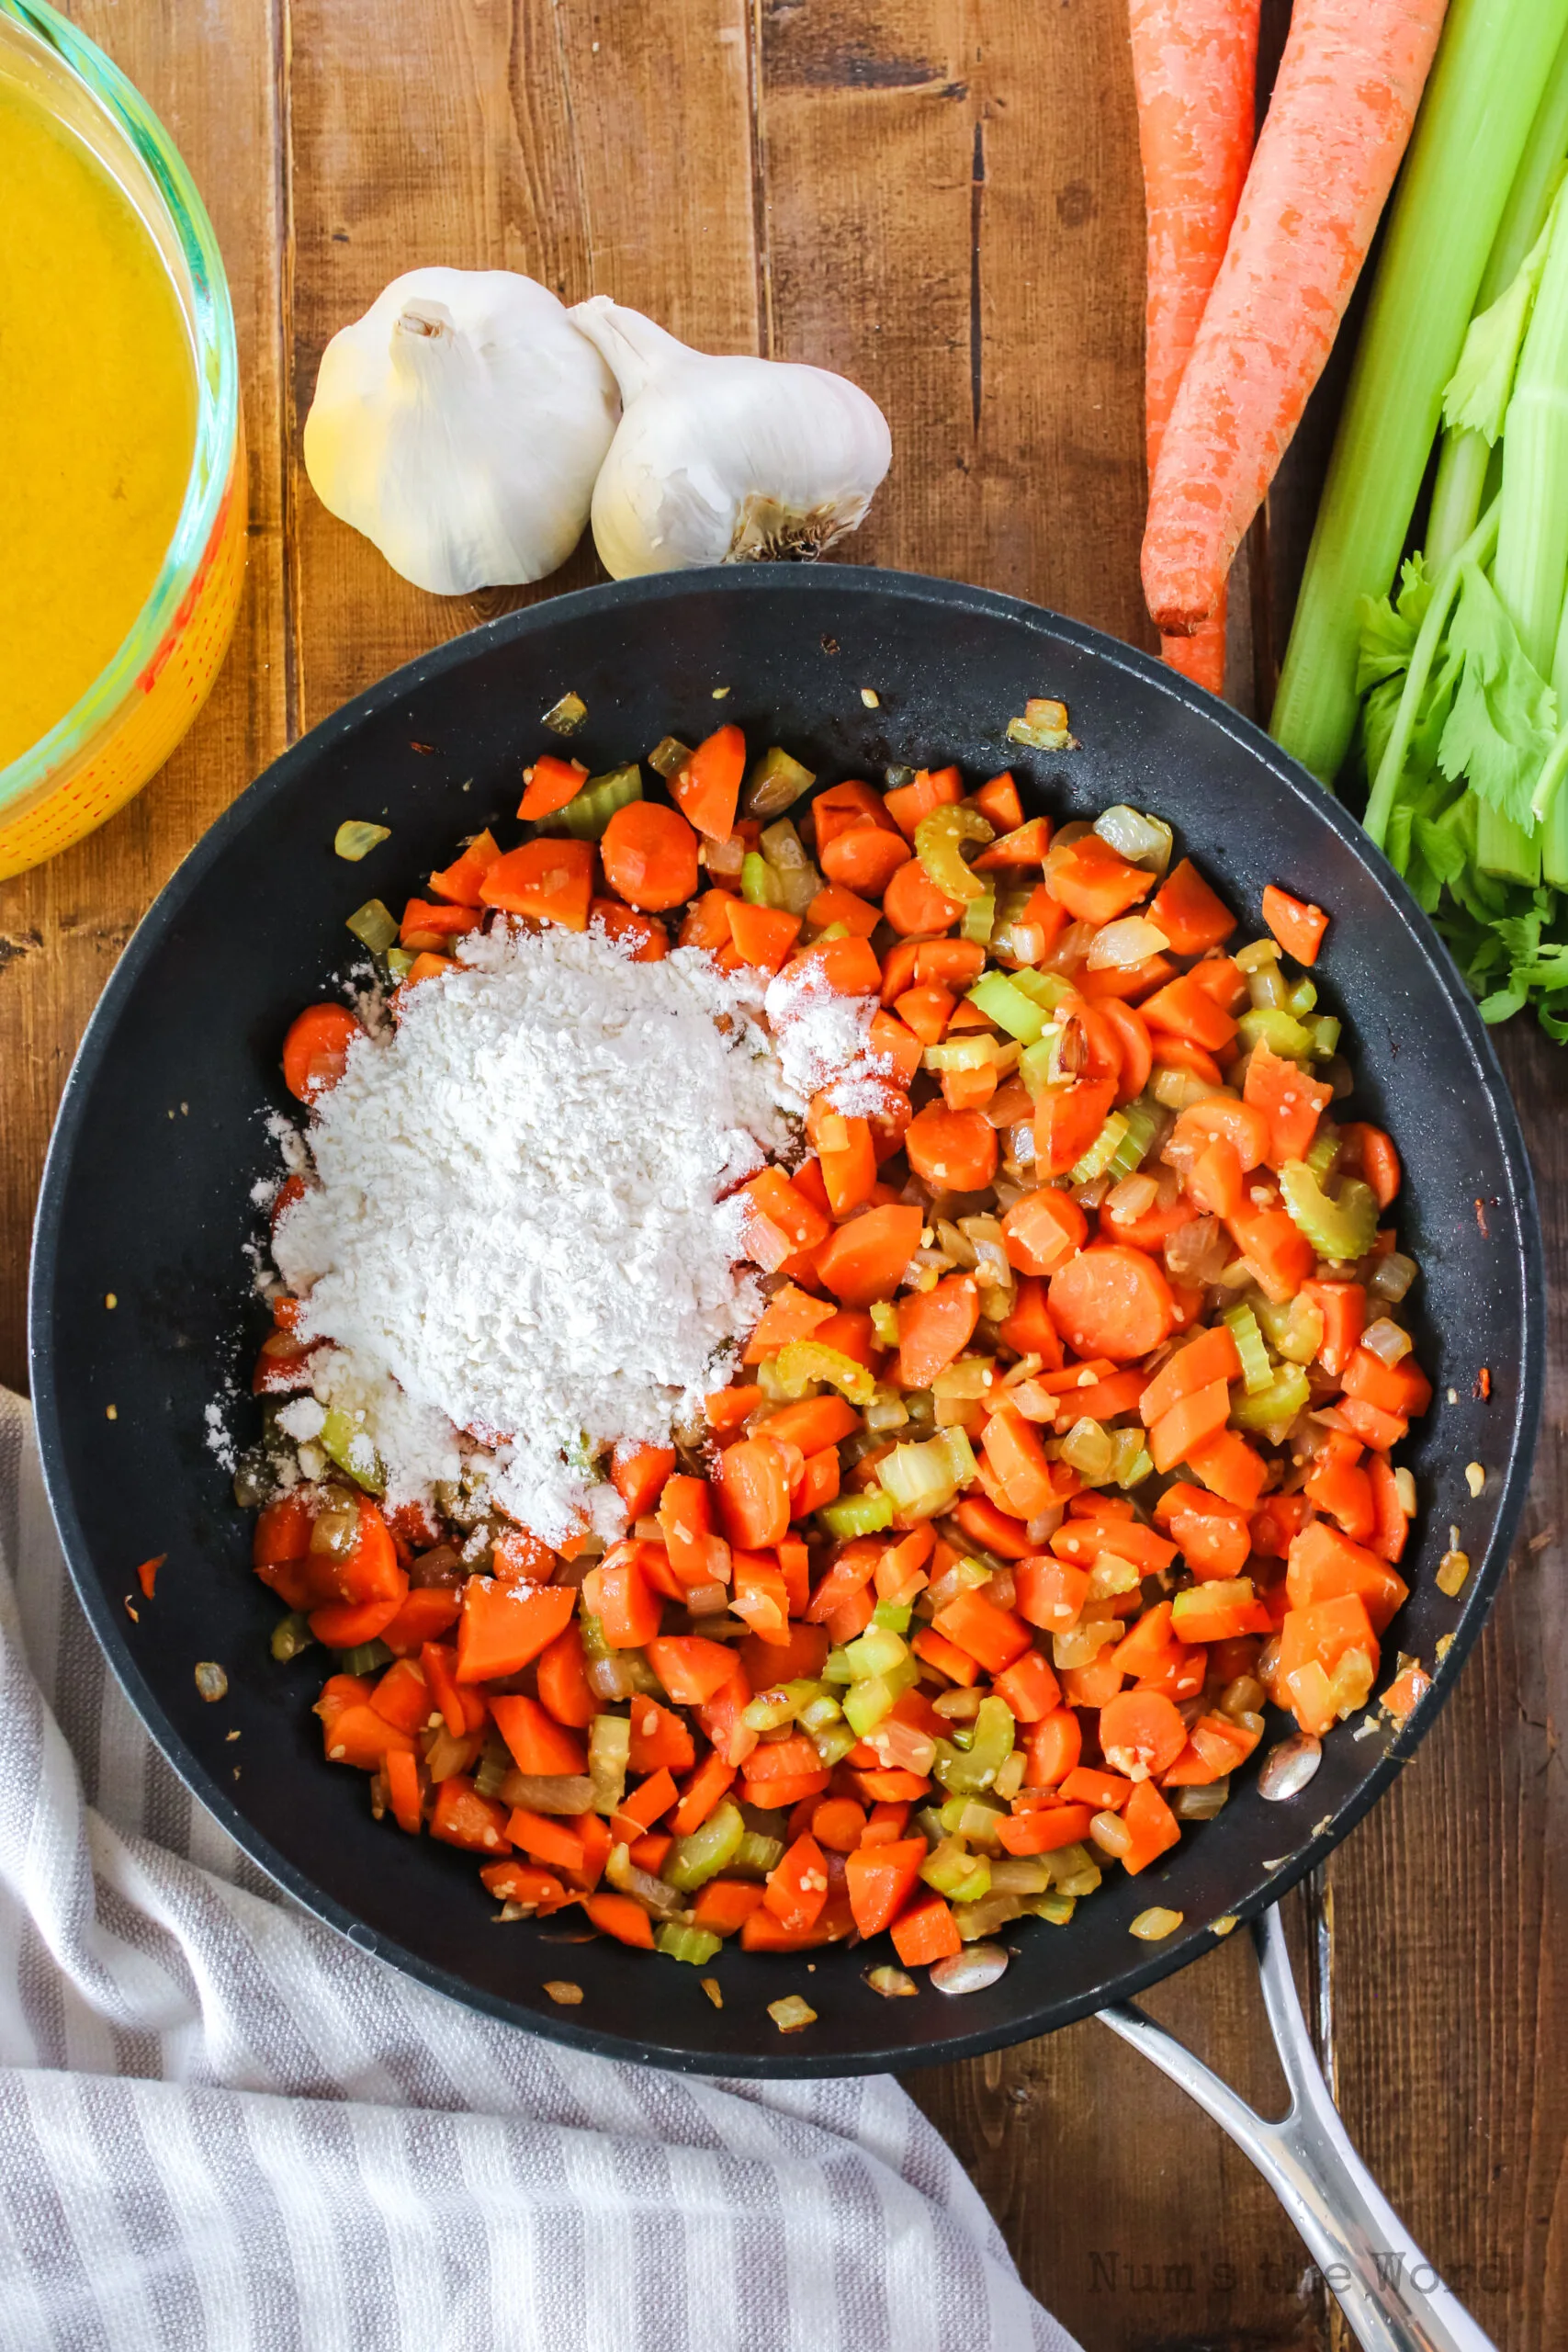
x=1451, y=1994
x=210, y=75
x=600, y=150
x=974, y=256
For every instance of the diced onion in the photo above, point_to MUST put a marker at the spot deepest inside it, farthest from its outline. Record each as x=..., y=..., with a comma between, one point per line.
x=892, y=1984
x=1133, y=940
x=1143, y=840
x=1391, y=1276
x=792, y=2014
x=1386, y=1340
x=1154, y=1925
x=562, y=1792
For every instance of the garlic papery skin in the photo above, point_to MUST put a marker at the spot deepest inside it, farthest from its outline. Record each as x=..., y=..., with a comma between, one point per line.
x=725, y=460
x=460, y=424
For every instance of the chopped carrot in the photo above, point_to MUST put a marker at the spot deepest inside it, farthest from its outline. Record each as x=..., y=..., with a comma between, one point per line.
x=706, y=788
x=315, y=1051
x=912, y=903
x=549, y=784
x=864, y=1261
x=650, y=855
x=1193, y=69
x=1297, y=923
x=1343, y=103
x=935, y=1325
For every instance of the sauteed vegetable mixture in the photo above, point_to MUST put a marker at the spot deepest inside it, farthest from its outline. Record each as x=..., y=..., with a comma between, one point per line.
x=1064, y=1437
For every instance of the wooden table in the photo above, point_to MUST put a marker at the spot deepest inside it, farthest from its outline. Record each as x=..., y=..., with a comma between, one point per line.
x=942, y=199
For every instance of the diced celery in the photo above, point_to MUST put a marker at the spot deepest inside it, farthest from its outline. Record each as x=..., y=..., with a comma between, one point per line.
x=756, y=1855
x=1324, y=1152
x=978, y=917
x=696, y=1945
x=291, y=1635
x=886, y=1411
x=1132, y=1461
x=1047, y=990
x=801, y=1362
x=1142, y=1120
x=816, y=1713
x=975, y=1051
x=1098, y=1158
x=877, y=1649
x=1055, y=1906
x=588, y=812
x=1342, y=1228
x=1036, y=1064
x=1280, y=1032
x=1074, y=1871
x=1294, y=1329
x=769, y=1711
x=955, y=1871
x=609, y=1754
x=1276, y=1407
x=966, y=1774
x=693, y=1860
x=1001, y=1000
x=860, y=1514
x=343, y=1441
x=399, y=963
x=884, y=1322
x=1303, y=998
x=893, y=1614
x=1325, y=1033
x=1256, y=1369
x=759, y=886
x=836, y=1669
x=937, y=839
x=374, y=925
x=368, y=1657
x=669, y=756
x=922, y=1478
x=867, y=1704
x=564, y=718
x=833, y=1742
x=775, y=783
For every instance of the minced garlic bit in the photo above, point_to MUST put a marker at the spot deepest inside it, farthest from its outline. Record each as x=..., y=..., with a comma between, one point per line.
x=893, y=1984
x=871, y=698
x=792, y=2014
x=710, y=1987
x=109, y=1299
x=719, y=693
x=111, y=1412
x=1474, y=1477
x=1222, y=1926
x=211, y=1681
x=1445, y=1644
x=1151, y=1927
x=565, y=1994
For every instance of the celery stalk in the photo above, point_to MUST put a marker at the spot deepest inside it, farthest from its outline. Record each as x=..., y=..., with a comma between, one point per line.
x=1492, y=68
x=1477, y=548
x=1460, y=485
x=1531, y=564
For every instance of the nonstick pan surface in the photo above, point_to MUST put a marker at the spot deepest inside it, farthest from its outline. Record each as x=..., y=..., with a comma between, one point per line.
x=161, y=1135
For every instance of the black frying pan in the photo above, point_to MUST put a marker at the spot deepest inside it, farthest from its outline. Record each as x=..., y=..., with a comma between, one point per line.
x=161, y=1136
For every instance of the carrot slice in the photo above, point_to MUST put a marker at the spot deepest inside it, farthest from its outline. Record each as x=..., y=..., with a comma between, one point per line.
x=550, y=784
x=1112, y=1301
x=650, y=855
x=315, y=1051
x=864, y=1261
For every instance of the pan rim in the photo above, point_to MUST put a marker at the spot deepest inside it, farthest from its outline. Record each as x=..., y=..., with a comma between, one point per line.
x=182, y=887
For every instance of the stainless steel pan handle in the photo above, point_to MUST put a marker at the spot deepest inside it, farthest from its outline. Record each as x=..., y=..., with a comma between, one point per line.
x=1389, y=2293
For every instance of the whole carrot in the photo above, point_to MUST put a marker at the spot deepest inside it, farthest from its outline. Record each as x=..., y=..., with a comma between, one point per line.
x=1194, y=72
x=1348, y=85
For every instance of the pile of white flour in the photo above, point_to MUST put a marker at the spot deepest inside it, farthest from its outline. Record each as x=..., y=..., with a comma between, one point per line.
x=519, y=1230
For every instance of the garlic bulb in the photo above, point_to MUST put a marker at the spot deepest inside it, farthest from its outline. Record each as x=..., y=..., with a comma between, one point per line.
x=460, y=424
x=725, y=460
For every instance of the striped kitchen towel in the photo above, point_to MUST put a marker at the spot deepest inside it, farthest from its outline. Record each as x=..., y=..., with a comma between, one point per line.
x=222, y=2126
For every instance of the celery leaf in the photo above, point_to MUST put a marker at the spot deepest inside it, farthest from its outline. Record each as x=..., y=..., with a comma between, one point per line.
x=1478, y=392
x=1505, y=715
x=1390, y=624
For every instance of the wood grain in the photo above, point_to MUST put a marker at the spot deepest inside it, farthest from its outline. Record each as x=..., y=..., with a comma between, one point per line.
x=213, y=77
x=940, y=198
